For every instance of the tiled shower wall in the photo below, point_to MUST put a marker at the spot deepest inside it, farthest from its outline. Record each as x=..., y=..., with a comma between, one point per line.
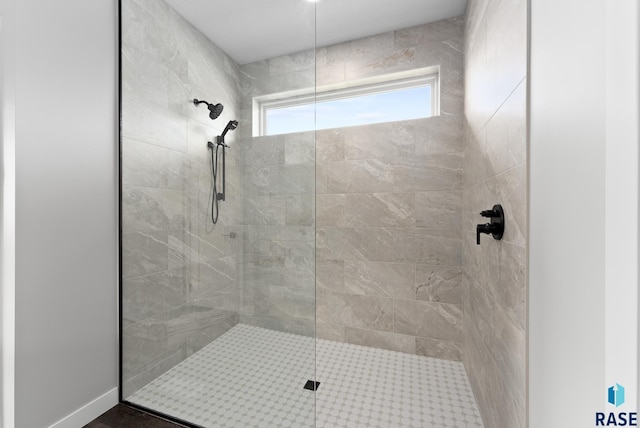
x=179, y=272
x=388, y=204
x=278, y=272
x=495, y=171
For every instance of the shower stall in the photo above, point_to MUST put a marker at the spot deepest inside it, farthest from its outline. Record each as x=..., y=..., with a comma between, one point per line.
x=302, y=251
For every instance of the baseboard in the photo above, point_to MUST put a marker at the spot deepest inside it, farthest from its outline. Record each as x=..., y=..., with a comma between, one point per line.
x=89, y=411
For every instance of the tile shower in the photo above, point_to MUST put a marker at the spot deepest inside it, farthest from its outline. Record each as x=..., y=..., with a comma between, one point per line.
x=362, y=238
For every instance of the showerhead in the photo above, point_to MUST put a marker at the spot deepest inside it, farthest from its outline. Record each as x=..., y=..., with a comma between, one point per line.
x=214, y=109
x=232, y=125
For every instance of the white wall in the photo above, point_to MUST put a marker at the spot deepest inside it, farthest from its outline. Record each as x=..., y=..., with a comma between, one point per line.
x=7, y=213
x=572, y=118
x=66, y=219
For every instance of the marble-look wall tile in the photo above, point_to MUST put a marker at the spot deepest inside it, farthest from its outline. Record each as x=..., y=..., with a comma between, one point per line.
x=512, y=188
x=147, y=32
x=304, y=60
x=267, y=210
x=438, y=209
x=137, y=379
x=330, y=210
x=172, y=254
x=144, y=164
x=183, y=248
x=422, y=173
x=438, y=134
x=298, y=326
x=384, y=63
x=153, y=125
x=393, y=280
x=144, y=253
x=299, y=148
x=194, y=326
x=218, y=242
x=439, y=284
x=152, y=295
x=254, y=298
x=509, y=353
x=300, y=210
x=380, y=210
x=264, y=269
x=365, y=312
x=262, y=151
x=373, y=184
x=147, y=208
x=361, y=176
x=428, y=246
x=329, y=75
x=447, y=29
x=330, y=275
x=380, y=140
x=322, y=178
x=507, y=132
x=428, y=319
x=439, y=349
x=256, y=181
x=511, y=290
x=218, y=275
x=143, y=342
x=290, y=302
x=330, y=145
x=506, y=36
x=373, y=244
x=495, y=164
x=381, y=339
x=330, y=332
x=291, y=180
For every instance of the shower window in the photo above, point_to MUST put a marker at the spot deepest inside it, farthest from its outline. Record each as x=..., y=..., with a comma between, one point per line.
x=392, y=99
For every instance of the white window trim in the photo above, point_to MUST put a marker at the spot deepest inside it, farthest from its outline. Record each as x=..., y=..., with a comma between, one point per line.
x=429, y=76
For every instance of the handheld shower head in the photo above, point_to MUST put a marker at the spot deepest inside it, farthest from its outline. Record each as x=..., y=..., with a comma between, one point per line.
x=214, y=109
x=232, y=125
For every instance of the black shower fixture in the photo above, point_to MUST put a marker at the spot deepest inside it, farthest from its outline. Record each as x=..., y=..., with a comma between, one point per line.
x=219, y=196
x=214, y=109
x=496, y=227
x=232, y=125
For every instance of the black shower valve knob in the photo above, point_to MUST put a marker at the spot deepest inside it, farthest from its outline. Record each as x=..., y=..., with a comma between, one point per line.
x=496, y=227
x=490, y=213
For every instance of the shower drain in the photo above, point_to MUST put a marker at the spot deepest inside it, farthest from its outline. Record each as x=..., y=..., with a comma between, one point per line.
x=311, y=385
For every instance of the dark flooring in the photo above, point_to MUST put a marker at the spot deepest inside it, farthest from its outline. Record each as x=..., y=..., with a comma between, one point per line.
x=122, y=416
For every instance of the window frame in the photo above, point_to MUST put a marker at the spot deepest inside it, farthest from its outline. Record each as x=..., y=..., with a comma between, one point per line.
x=389, y=83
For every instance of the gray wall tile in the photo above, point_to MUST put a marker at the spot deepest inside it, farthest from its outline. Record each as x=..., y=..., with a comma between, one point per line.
x=428, y=319
x=439, y=284
x=439, y=349
x=144, y=253
x=380, y=210
x=173, y=256
x=380, y=279
x=381, y=340
x=495, y=164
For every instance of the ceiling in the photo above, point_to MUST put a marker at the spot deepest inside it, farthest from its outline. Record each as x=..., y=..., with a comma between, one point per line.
x=252, y=30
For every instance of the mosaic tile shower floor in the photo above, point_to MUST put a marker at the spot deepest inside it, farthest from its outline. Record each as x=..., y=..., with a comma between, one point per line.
x=254, y=377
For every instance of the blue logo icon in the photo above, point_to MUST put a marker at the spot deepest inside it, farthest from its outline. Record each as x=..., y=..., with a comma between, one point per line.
x=616, y=395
